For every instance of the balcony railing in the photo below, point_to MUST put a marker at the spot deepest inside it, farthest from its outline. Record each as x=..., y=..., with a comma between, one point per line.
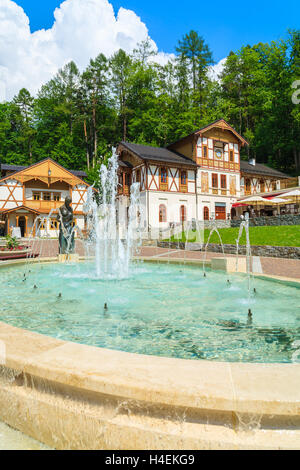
x=183, y=188
x=43, y=206
x=163, y=186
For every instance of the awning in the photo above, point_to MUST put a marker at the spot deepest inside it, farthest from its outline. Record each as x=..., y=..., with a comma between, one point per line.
x=238, y=204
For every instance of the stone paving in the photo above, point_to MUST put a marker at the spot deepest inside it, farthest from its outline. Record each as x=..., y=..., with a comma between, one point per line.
x=282, y=267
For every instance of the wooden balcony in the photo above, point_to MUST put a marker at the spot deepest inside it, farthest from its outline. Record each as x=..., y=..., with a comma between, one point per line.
x=43, y=206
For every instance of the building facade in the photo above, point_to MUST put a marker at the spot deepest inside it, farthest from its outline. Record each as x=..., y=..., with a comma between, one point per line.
x=37, y=191
x=198, y=177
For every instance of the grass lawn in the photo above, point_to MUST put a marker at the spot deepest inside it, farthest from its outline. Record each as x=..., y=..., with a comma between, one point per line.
x=283, y=235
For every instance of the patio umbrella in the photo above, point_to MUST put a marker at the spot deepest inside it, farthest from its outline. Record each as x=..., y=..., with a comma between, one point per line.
x=294, y=195
x=238, y=204
x=279, y=201
x=256, y=201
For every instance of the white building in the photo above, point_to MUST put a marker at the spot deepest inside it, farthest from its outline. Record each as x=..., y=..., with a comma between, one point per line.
x=198, y=177
x=38, y=191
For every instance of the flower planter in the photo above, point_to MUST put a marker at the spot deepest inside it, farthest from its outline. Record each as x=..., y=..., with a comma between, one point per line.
x=17, y=253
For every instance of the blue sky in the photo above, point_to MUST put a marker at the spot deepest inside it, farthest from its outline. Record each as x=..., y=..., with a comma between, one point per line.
x=225, y=25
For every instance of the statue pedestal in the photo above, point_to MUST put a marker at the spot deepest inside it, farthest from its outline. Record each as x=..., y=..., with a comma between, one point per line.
x=74, y=258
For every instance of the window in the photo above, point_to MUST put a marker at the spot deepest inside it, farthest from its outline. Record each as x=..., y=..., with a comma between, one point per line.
x=163, y=179
x=231, y=155
x=223, y=182
x=56, y=197
x=182, y=214
x=138, y=176
x=36, y=196
x=46, y=196
x=127, y=179
x=274, y=186
x=248, y=186
x=163, y=175
x=43, y=224
x=205, y=151
x=162, y=213
x=262, y=186
x=183, y=178
x=206, y=213
x=54, y=225
x=214, y=180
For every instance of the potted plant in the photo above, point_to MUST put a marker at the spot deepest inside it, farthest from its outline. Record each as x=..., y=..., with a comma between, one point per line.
x=11, y=243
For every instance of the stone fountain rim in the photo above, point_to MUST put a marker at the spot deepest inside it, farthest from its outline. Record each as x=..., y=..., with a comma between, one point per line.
x=240, y=387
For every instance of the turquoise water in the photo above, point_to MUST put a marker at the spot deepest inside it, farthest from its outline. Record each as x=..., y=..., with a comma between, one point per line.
x=163, y=310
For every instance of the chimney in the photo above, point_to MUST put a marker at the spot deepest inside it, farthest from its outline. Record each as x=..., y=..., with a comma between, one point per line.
x=252, y=161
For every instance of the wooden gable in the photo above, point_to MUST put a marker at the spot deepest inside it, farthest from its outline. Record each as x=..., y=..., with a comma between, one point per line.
x=49, y=172
x=221, y=130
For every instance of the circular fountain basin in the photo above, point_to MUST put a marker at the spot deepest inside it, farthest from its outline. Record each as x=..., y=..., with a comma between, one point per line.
x=162, y=310
x=75, y=396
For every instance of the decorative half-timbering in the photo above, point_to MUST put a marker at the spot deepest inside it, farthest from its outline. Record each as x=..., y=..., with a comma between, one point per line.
x=205, y=167
x=37, y=191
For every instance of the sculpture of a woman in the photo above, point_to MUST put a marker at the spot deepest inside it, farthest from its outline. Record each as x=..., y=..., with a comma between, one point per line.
x=66, y=232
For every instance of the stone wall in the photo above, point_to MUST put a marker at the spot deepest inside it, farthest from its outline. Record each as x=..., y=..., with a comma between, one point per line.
x=270, y=221
x=291, y=252
x=210, y=224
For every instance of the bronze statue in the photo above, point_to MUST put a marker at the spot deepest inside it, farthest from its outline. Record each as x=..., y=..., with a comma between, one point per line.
x=66, y=232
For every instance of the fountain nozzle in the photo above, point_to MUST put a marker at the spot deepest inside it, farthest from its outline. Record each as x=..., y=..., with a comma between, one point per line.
x=105, y=307
x=250, y=315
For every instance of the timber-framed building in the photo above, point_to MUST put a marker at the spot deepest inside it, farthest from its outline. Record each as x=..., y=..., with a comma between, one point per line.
x=198, y=177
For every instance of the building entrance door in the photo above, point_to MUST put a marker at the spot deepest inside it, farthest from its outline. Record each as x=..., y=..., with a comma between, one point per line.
x=22, y=225
x=220, y=212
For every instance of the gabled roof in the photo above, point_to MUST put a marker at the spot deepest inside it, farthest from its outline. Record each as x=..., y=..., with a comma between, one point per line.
x=47, y=171
x=17, y=168
x=34, y=211
x=220, y=124
x=124, y=164
x=260, y=169
x=146, y=152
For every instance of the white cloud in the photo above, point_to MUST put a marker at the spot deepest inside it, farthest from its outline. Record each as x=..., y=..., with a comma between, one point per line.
x=81, y=30
x=217, y=69
x=162, y=58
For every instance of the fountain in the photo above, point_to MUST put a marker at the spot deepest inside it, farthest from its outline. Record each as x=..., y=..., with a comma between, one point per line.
x=113, y=247
x=213, y=230
x=245, y=227
x=117, y=356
